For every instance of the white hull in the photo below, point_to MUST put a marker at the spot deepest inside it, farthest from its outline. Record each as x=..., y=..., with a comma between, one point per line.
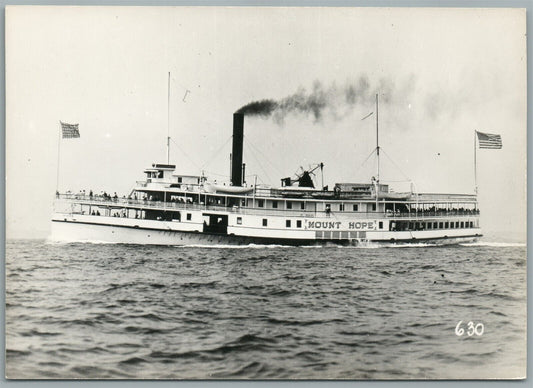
x=72, y=231
x=97, y=233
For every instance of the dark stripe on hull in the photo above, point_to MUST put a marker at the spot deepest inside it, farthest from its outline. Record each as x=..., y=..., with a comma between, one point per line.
x=231, y=239
x=425, y=239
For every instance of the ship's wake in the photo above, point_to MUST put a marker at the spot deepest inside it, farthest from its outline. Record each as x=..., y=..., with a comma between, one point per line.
x=358, y=245
x=493, y=244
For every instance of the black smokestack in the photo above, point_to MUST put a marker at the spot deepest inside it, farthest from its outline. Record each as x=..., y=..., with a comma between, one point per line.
x=236, y=154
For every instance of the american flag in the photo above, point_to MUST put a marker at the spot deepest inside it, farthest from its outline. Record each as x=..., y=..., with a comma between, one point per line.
x=487, y=140
x=70, y=131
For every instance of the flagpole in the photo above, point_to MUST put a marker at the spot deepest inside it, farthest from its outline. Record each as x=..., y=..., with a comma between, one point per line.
x=168, y=119
x=475, y=162
x=58, y=153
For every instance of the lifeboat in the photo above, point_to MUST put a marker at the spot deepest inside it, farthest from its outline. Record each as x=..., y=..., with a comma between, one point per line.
x=222, y=189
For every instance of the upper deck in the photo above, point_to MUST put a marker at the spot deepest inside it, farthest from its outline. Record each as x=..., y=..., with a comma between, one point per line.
x=161, y=178
x=248, y=204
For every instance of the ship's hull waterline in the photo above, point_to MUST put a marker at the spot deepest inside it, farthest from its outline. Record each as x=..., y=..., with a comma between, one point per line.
x=75, y=231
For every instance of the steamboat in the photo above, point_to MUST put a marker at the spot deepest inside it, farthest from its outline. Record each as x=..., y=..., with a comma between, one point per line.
x=169, y=208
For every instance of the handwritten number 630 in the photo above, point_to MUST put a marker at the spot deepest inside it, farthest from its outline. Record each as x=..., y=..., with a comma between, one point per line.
x=471, y=329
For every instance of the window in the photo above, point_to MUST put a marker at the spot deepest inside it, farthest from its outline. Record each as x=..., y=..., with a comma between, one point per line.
x=302, y=205
x=261, y=202
x=381, y=224
x=429, y=225
x=441, y=225
x=446, y=225
x=457, y=224
x=452, y=224
x=435, y=225
x=289, y=205
x=265, y=222
x=373, y=207
x=288, y=223
x=239, y=220
x=299, y=223
x=274, y=204
x=189, y=216
x=180, y=179
x=355, y=207
x=341, y=207
x=462, y=224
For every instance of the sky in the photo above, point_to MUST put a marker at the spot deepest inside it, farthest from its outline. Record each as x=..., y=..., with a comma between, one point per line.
x=440, y=74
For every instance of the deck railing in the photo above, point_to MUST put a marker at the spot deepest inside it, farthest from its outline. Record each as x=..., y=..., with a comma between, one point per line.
x=143, y=204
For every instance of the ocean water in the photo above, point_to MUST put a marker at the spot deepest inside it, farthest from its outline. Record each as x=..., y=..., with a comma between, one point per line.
x=125, y=312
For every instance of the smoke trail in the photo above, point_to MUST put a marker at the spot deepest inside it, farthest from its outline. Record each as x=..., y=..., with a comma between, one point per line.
x=332, y=100
x=258, y=108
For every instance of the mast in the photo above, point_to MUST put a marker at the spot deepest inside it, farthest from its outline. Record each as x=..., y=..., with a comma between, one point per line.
x=377, y=133
x=168, y=119
x=475, y=163
x=377, y=150
x=58, y=157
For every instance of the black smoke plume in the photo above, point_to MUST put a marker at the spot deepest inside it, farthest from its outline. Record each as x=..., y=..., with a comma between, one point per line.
x=258, y=108
x=333, y=100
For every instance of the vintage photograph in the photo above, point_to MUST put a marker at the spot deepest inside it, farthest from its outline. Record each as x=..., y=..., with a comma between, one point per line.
x=265, y=193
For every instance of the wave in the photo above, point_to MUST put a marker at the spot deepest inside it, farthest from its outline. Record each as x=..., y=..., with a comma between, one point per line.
x=50, y=241
x=493, y=244
x=416, y=245
x=311, y=322
x=230, y=246
x=209, y=246
x=367, y=245
x=359, y=245
x=377, y=245
x=133, y=361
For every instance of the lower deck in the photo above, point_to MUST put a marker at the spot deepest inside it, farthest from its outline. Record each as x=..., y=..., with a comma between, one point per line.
x=229, y=228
